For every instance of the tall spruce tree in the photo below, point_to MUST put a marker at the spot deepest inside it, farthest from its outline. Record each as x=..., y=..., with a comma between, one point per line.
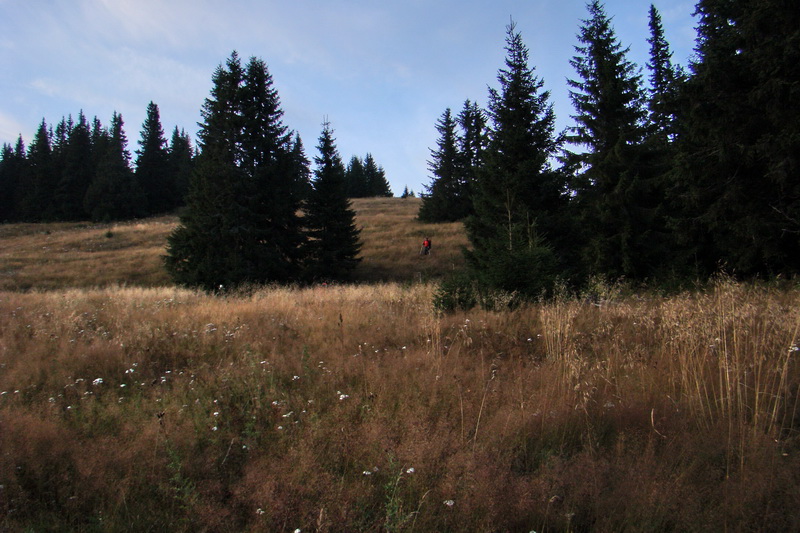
x=665, y=79
x=472, y=144
x=375, y=178
x=180, y=158
x=12, y=172
x=613, y=185
x=333, y=244
x=241, y=224
x=272, y=194
x=738, y=152
x=201, y=251
x=153, y=169
x=355, y=180
x=444, y=197
x=518, y=197
x=37, y=202
x=114, y=193
x=77, y=171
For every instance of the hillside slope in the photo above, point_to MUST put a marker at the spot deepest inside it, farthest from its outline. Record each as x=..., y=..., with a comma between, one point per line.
x=79, y=255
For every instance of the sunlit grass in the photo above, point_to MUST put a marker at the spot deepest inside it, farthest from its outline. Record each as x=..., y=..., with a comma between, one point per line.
x=128, y=404
x=51, y=256
x=347, y=408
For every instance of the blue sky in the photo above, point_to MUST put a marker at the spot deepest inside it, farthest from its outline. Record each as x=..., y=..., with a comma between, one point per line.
x=381, y=71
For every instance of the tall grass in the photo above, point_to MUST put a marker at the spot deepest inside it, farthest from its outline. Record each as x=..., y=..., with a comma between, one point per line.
x=359, y=408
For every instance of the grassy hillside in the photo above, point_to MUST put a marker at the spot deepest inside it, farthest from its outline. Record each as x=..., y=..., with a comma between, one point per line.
x=360, y=408
x=50, y=256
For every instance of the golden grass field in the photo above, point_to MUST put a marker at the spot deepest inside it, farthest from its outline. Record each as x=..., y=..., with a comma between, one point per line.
x=132, y=405
x=83, y=255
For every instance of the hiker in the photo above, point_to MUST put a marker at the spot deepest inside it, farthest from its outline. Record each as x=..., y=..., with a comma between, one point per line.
x=426, y=247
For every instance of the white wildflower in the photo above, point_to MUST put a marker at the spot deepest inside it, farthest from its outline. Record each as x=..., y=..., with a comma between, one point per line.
x=98, y=381
x=449, y=503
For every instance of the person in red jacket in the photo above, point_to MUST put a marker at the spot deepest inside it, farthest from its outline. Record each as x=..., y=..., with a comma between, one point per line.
x=426, y=247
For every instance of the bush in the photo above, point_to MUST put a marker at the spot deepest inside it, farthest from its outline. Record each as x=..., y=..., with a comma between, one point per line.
x=462, y=292
x=457, y=292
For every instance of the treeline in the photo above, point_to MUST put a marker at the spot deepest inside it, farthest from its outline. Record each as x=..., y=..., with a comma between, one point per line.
x=667, y=179
x=255, y=212
x=364, y=178
x=80, y=171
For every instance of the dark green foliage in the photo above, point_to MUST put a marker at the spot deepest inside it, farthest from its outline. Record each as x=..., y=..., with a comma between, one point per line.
x=472, y=143
x=333, y=246
x=665, y=81
x=78, y=171
x=114, y=193
x=36, y=201
x=153, y=169
x=736, y=177
x=241, y=223
x=444, y=196
x=180, y=159
x=375, y=178
x=458, y=292
x=364, y=178
x=455, y=165
x=614, y=187
x=355, y=180
x=518, y=198
x=13, y=166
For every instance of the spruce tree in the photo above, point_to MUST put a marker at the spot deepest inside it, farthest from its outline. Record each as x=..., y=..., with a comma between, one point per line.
x=180, y=159
x=614, y=187
x=333, y=244
x=444, y=197
x=738, y=152
x=356, y=181
x=153, y=169
x=12, y=179
x=201, y=251
x=665, y=79
x=241, y=223
x=518, y=197
x=37, y=202
x=114, y=193
x=375, y=178
x=272, y=194
x=77, y=172
x=472, y=144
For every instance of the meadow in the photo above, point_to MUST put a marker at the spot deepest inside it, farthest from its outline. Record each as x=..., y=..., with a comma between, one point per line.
x=127, y=404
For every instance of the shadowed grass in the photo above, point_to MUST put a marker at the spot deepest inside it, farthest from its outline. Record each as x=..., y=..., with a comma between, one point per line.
x=358, y=408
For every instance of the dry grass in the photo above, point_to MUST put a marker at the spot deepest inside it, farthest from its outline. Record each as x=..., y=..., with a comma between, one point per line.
x=51, y=256
x=127, y=405
x=392, y=239
x=83, y=255
x=360, y=409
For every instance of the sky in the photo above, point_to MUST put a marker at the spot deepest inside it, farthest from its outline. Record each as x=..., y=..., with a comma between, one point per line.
x=381, y=71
